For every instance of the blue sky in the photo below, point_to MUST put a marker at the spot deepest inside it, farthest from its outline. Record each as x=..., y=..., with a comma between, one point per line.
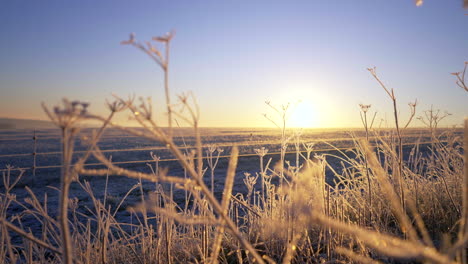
x=234, y=55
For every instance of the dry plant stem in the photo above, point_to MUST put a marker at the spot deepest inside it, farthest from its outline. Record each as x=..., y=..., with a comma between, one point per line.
x=356, y=257
x=199, y=151
x=413, y=112
x=29, y=236
x=67, y=152
x=166, y=90
x=284, y=117
x=461, y=76
x=67, y=175
x=163, y=62
x=463, y=233
x=115, y=170
x=93, y=143
x=391, y=94
x=397, y=208
x=283, y=144
x=385, y=244
x=262, y=174
x=197, y=180
x=212, y=200
x=400, y=153
x=231, y=173
x=246, y=206
x=6, y=237
x=291, y=249
x=187, y=220
x=420, y=223
x=460, y=245
x=364, y=109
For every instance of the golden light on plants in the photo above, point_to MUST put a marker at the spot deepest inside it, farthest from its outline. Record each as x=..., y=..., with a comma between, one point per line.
x=215, y=167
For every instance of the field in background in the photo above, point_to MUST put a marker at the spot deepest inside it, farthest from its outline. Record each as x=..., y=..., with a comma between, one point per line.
x=24, y=148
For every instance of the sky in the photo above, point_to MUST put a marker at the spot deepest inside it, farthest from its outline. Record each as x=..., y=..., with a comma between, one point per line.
x=235, y=55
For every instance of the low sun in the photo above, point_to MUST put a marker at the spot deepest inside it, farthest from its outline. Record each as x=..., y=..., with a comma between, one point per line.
x=304, y=115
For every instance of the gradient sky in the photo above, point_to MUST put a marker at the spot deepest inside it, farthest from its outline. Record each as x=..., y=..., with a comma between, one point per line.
x=234, y=55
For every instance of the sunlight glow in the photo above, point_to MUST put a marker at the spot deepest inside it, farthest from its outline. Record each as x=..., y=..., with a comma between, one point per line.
x=304, y=115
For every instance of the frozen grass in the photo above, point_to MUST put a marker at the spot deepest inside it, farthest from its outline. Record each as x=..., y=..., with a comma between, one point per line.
x=381, y=207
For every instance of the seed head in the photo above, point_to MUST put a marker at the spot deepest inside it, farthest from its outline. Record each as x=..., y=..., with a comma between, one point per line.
x=261, y=152
x=364, y=107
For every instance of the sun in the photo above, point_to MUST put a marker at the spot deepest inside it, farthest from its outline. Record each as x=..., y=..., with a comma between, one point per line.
x=304, y=115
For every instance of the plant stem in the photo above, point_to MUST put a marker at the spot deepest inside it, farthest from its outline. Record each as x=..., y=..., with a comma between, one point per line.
x=67, y=151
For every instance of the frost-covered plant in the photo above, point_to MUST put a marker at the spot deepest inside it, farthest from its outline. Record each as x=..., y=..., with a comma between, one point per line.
x=304, y=218
x=461, y=82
